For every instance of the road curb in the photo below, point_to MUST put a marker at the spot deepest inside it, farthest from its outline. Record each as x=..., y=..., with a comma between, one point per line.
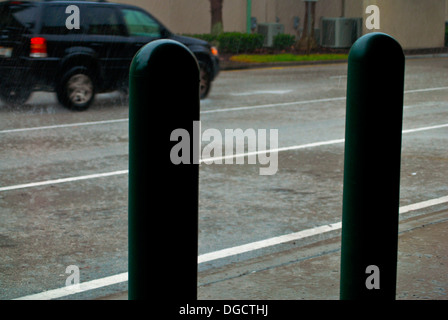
x=230, y=65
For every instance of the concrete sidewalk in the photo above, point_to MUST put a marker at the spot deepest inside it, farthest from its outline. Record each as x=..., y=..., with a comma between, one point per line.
x=312, y=272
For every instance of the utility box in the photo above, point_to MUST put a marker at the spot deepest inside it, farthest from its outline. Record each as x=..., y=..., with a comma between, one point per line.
x=270, y=30
x=340, y=32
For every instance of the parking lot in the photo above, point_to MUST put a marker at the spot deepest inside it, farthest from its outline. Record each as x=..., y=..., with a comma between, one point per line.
x=63, y=189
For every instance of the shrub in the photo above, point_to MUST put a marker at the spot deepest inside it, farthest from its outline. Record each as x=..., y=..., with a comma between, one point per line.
x=238, y=42
x=210, y=38
x=204, y=36
x=283, y=41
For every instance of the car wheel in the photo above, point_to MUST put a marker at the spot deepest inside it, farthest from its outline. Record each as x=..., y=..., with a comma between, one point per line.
x=204, y=81
x=15, y=96
x=77, y=89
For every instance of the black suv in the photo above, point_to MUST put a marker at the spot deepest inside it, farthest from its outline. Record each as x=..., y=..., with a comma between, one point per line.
x=43, y=48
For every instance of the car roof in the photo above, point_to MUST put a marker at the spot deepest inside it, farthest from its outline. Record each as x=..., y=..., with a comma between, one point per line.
x=70, y=1
x=80, y=2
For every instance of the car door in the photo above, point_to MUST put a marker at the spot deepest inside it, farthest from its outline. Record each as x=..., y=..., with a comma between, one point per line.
x=106, y=34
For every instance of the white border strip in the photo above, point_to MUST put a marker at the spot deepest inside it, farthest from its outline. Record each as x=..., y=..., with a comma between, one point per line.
x=77, y=288
x=423, y=204
x=267, y=242
x=224, y=253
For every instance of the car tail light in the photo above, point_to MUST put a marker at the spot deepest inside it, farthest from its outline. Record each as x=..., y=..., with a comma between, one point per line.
x=38, y=47
x=214, y=51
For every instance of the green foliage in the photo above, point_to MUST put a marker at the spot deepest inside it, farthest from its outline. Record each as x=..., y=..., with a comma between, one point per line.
x=238, y=42
x=286, y=57
x=283, y=41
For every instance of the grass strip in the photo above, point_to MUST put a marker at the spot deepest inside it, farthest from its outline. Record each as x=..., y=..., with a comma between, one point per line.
x=286, y=57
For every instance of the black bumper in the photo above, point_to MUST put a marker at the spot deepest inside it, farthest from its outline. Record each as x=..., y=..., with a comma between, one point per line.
x=34, y=72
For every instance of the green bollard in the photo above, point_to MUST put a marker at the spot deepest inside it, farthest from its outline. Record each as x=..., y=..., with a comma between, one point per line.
x=163, y=196
x=373, y=133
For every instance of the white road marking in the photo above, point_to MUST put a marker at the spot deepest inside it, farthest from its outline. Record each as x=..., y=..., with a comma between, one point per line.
x=426, y=128
x=79, y=124
x=63, y=180
x=272, y=105
x=120, y=172
x=98, y=283
x=423, y=204
x=77, y=288
x=224, y=253
x=250, y=93
x=302, y=146
x=426, y=90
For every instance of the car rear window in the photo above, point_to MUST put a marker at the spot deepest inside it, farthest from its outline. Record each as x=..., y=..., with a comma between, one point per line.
x=54, y=20
x=18, y=17
x=103, y=21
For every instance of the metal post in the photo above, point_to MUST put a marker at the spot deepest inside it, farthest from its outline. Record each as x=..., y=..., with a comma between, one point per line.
x=248, y=15
x=163, y=197
x=372, y=168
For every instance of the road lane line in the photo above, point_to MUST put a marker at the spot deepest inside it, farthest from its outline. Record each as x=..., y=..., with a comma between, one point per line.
x=63, y=180
x=78, y=288
x=272, y=105
x=263, y=106
x=219, y=254
x=309, y=145
x=302, y=146
x=426, y=90
x=250, y=93
x=67, y=125
x=213, y=159
x=426, y=128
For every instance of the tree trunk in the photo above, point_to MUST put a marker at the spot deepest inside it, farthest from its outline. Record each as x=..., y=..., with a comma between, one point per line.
x=307, y=40
x=216, y=13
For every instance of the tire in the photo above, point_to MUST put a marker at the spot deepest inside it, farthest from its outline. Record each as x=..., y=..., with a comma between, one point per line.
x=15, y=95
x=205, y=82
x=77, y=89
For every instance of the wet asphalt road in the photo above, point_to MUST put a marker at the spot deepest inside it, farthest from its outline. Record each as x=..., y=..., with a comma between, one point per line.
x=44, y=229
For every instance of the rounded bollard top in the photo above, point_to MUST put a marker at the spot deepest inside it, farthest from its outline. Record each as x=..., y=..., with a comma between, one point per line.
x=376, y=45
x=160, y=51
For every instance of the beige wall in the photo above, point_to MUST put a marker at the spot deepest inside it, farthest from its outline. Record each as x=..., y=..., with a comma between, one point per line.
x=446, y=10
x=414, y=23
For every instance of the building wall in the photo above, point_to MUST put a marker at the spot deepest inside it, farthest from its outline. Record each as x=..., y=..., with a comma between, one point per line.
x=414, y=23
x=446, y=10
